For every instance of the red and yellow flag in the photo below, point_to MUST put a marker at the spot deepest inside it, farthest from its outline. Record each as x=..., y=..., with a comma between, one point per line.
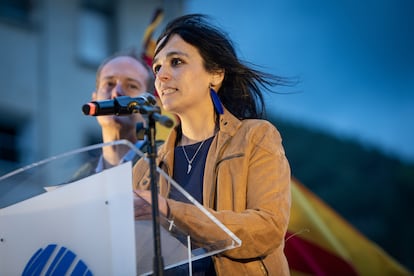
x=320, y=242
x=147, y=55
x=148, y=41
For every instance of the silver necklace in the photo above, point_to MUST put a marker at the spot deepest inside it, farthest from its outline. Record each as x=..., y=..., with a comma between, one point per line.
x=190, y=161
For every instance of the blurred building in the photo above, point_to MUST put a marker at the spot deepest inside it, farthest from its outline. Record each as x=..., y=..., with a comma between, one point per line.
x=49, y=53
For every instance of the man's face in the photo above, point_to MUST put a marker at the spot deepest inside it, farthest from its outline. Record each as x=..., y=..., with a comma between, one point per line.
x=122, y=76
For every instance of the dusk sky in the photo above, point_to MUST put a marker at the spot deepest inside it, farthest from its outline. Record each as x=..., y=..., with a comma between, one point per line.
x=354, y=59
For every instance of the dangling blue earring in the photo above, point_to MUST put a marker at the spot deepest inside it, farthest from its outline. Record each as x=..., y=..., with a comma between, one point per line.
x=218, y=106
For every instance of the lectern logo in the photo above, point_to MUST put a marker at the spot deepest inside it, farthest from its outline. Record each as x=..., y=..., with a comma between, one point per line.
x=55, y=261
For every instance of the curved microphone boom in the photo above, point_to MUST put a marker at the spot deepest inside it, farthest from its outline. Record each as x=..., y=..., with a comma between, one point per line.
x=122, y=105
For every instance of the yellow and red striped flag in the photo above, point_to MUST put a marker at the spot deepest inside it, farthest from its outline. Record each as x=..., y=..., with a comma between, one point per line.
x=320, y=242
x=147, y=56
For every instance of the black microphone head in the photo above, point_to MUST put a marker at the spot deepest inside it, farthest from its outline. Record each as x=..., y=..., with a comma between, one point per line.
x=86, y=109
x=89, y=109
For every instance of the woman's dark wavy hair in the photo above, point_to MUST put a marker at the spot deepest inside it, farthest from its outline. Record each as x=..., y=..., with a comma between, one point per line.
x=240, y=92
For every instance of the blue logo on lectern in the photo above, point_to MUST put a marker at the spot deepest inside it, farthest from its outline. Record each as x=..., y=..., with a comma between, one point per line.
x=42, y=263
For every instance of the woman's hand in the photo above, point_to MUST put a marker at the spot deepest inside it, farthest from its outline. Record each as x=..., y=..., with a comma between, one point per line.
x=142, y=205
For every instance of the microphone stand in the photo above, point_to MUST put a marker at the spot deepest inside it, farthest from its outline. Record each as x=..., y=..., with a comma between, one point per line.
x=145, y=105
x=124, y=105
x=152, y=114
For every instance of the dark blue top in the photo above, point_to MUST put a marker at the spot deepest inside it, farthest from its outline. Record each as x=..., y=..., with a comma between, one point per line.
x=192, y=182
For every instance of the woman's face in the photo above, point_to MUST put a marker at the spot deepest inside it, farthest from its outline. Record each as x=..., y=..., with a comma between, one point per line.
x=181, y=79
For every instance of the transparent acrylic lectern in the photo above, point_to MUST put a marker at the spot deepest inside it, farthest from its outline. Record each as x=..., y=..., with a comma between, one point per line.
x=68, y=215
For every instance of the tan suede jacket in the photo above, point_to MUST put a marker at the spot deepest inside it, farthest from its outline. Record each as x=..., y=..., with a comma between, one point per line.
x=246, y=187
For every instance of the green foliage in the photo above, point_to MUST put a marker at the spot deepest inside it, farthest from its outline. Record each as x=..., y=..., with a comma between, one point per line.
x=372, y=191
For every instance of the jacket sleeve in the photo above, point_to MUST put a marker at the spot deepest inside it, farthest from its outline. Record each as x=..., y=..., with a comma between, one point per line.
x=263, y=224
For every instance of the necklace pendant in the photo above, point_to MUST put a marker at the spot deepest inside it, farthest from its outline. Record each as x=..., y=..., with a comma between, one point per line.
x=188, y=168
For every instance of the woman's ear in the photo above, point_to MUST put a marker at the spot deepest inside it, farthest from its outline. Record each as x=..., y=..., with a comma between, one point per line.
x=217, y=78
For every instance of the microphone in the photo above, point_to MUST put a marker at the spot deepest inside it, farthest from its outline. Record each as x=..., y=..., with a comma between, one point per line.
x=121, y=105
